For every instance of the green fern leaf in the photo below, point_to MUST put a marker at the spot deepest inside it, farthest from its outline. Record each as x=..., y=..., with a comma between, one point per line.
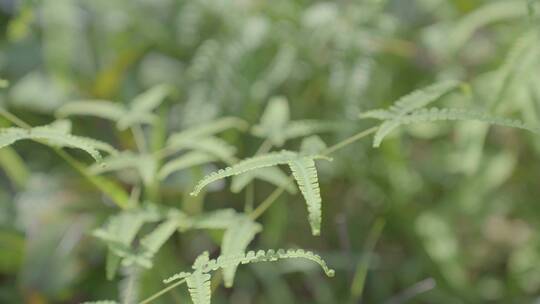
x=422, y=97
x=98, y=108
x=305, y=174
x=199, y=287
x=54, y=136
x=235, y=241
x=435, y=114
x=188, y=160
x=303, y=169
x=267, y=160
x=206, y=265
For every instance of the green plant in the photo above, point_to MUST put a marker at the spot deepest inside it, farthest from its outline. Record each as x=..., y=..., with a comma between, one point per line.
x=240, y=228
x=213, y=80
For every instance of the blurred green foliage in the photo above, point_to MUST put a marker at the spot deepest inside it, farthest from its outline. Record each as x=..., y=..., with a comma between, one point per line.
x=458, y=200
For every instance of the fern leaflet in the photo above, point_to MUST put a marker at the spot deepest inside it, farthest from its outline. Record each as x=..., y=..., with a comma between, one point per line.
x=98, y=108
x=54, y=135
x=235, y=241
x=305, y=174
x=267, y=160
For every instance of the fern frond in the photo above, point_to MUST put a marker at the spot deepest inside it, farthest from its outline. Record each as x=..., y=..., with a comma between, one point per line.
x=422, y=97
x=54, y=136
x=255, y=257
x=188, y=160
x=98, y=108
x=435, y=114
x=267, y=160
x=199, y=287
x=207, y=129
x=305, y=174
x=271, y=175
x=235, y=241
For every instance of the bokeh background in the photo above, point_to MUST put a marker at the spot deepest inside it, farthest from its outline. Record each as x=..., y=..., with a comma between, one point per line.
x=440, y=213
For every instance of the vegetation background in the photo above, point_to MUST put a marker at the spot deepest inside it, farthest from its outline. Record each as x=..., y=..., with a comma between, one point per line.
x=439, y=213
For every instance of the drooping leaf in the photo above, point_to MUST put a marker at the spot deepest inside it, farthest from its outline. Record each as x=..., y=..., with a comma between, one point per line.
x=53, y=136
x=253, y=257
x=267, y=160
x=305, y=174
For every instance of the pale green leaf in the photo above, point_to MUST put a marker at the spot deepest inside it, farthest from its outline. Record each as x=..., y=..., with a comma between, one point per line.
x=53, y=136
x=199, y=287
x=98, y=108
x=267, y=160
x=305, y=174
x=205, y=265
x=235, y=241
x=188, y=160
x=274, y=121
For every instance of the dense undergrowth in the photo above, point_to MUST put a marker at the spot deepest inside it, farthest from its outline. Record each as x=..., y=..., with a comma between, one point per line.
x=390, y=145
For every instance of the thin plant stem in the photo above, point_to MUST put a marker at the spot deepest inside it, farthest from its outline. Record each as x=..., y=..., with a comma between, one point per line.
x=162, y=292
x=265, y=147
x=14, y=119
x=267, y=203
x=349, y=141
x=359, y=279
